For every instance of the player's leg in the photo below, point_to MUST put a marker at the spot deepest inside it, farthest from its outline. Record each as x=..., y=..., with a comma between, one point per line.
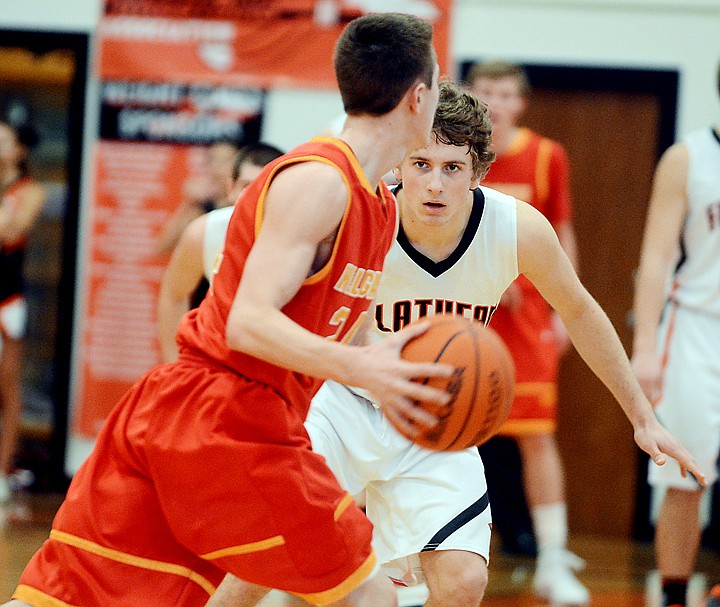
x=428, y=508
x=11, y=405
x=376, y=591
x=543, y=478
x=455, y=578
x=690, y=409
x=677, y=539
x=233, y=592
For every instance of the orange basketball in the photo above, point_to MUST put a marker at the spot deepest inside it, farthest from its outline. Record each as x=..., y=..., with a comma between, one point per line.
x=482, y=386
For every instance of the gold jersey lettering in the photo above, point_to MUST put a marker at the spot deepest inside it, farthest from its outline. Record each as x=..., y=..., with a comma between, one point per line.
x=358, y=282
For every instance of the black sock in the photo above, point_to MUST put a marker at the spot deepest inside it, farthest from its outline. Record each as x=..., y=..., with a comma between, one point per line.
x=674, y=591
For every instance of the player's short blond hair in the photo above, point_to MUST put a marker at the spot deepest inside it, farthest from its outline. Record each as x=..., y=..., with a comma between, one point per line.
x=495, y=70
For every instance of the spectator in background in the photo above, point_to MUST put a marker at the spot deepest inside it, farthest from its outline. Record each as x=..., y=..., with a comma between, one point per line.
x=676, y=346
x=202, y=194
x=532, y=168
x=194, y=256
x=21, y=201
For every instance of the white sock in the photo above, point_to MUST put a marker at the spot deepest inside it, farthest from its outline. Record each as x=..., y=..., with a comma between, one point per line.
x=550, y=525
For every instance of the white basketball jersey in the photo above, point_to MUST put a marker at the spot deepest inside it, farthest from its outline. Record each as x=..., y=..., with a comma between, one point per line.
x=697, y=278
x=215, y=230
x=468, y=283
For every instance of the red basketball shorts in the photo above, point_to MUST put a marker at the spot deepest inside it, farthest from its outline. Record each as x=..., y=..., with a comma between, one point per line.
x=530, y=338
x=197, y=472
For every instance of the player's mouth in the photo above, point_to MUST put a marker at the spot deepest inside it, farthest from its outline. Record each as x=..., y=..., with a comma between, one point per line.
x=433, y=205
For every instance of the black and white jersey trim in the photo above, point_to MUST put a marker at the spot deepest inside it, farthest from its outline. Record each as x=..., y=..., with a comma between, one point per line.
x=461, y=519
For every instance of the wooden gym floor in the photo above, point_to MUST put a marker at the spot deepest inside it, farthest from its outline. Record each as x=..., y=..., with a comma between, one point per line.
x=617, y=571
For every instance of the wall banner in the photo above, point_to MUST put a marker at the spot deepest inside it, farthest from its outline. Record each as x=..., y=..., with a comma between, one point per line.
x=153, y=141
x=260, y=43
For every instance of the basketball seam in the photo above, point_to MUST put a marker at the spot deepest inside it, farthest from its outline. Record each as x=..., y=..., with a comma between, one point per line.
x=471, y=409
x=439, y=356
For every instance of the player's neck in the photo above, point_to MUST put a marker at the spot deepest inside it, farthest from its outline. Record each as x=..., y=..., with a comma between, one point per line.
x=376, y=142
x=438, y=241
x=504, y=138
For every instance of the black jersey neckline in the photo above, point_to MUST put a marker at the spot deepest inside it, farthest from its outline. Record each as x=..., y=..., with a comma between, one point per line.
x=433, y=268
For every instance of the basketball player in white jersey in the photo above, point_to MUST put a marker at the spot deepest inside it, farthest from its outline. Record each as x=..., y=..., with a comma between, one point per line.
x=676, y=353
x=458, y=248
x=194, y=256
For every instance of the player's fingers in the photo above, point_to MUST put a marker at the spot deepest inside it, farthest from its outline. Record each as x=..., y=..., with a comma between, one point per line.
x=688, y=465
x=409, y=332
x=420, y=371
x=659, y=458
x=410, y=414
x=415, y=391
x=404, y=425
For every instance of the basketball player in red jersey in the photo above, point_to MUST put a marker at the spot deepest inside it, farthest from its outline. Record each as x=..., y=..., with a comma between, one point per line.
x=21, y=201
x=533, y=168
x=204, y=467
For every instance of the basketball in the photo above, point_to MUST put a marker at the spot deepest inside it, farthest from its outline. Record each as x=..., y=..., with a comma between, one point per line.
x=482, y=386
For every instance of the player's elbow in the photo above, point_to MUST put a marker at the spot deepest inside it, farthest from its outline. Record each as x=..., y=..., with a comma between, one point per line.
x=241, y=327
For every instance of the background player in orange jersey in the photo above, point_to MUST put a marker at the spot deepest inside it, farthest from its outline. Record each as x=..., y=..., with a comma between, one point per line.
x=532, y=168
x=205, y=467
x=21, y=202
x=202, y=194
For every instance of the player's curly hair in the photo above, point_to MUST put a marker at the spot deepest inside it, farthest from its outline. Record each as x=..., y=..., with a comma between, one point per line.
x=462, y=119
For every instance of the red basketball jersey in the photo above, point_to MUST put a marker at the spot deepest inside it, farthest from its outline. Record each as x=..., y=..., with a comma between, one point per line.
x=331, y=303
x=534, y=169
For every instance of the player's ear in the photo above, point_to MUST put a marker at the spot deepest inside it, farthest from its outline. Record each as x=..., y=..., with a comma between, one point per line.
x=416, y=95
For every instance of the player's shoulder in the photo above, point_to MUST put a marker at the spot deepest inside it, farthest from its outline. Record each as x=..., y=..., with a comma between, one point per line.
x=496, y=198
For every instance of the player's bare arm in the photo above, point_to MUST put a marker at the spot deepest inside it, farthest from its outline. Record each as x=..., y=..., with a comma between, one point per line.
x=297, y=220
x=543, y=261
x=660, y=252
x=181, y=277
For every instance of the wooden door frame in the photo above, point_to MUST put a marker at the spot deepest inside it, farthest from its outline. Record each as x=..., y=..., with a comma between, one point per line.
x=41, y=42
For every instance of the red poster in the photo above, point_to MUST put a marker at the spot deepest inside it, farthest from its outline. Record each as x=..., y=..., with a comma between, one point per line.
x=138, y=185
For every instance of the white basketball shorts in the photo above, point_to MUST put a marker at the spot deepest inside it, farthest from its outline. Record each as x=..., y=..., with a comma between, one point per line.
x=418, y=500
x=690, y=403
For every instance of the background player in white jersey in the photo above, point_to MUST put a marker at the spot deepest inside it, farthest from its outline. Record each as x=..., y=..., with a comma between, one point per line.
x=458, y=248
x=195, y=254
x=676, y=352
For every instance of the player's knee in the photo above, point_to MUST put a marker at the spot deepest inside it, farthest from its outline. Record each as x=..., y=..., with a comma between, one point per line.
x=461, y=588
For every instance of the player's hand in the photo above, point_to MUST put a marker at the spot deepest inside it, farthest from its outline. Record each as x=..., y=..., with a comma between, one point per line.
x=389, y=379
x=658, y=443
x=648, y=370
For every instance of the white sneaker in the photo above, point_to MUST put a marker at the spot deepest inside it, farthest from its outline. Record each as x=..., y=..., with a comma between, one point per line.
x=555, y=581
